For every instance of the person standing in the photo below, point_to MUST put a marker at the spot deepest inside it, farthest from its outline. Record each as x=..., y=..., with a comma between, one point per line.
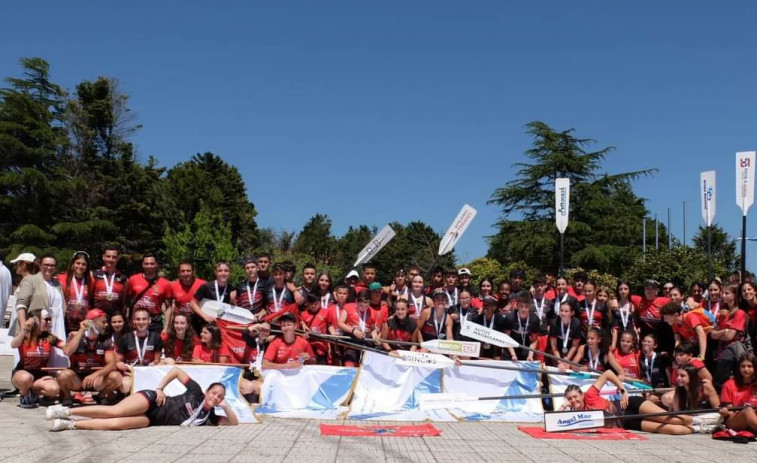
x=110, y=285
x=39, y=292
x=183, y=292
x=150, y=291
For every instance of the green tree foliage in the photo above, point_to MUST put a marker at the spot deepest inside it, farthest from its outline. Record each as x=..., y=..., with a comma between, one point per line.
x=485, y=267
x=723, y=247
x=316, y=240
x=681, y=265
x=601, y=279
x=605, y=215
x=206, y=241
x=208, y=180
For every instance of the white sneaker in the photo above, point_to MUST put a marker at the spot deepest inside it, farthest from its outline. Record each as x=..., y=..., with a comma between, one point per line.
x=62, y=425
x=57, y=411
x=706, y=428
x=707, y=419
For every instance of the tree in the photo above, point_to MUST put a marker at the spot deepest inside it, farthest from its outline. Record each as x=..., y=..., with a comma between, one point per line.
x=206, y=241
x=605, y=214
x=31, y=146
x=681, y=265
x=723, y=247
x=207, y=179
x=316, y=240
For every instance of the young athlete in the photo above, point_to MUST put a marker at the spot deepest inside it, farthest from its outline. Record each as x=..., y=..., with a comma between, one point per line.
x=149, y=291
x=625, y=358
x=523, y=326
x=692, y=393
x=110, y=286
x=655, y=368
x=418, y=300
x=648, y=318
x=78, y=290
x=279, y=299
x=250, y=291
x=623, y=312
x=685, y=354
x=141, y=347
x=219, y=290
x=489, y=317
x=739, y=391
x=314, y=319
x=183, y=291
x=686, y=326
x=565, y=333
x=432, y=324
x=116, y=327
x=575, y=399
x=485, y=288
x=458, y=316
x=179, y=341
x=210, y=349
x=288, y=351
x=151, y=408
x=399, y=327
x=593, y=356
x=563, y=296
x=592, y=311
x=256, y=343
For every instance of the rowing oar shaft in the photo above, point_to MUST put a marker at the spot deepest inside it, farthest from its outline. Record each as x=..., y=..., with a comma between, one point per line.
x=546, y=396
x=486, y=364
x=66, y=368
x=674, y=413
x=556, y=358
x=242, y=365
x=399, y=343
x=245, y=328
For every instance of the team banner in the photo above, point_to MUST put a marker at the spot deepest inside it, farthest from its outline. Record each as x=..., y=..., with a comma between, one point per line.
x=149, y=378
x=314, y=391
x=232, y=339
x=388, y=391
x=488, y=382
x=562, y=203
x=707, y=181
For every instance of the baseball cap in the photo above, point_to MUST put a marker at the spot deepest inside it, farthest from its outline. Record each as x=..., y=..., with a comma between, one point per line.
x=464, y=271
x=375, y=286
x=352, y=274
x=438, y=293
x=287, y=317
x=651, y=283
x=24, y=257
x=95, y=313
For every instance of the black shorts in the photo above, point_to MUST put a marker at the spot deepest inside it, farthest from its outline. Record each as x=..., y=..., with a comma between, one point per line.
x=634, y=404
x=151, y=397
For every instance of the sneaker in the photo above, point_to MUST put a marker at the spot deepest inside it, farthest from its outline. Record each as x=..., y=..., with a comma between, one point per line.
x=27, y=401
x=706, y=428
x=707, y=419
x=62, y=425
x=57, y=411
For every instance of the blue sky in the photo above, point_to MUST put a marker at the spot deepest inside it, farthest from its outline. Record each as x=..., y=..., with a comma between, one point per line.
x=373, y=111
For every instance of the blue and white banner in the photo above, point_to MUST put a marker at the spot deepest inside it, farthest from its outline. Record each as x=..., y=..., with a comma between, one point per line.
x=488, y=382
x=314, y=391
x=387, y=391
x=149, y=378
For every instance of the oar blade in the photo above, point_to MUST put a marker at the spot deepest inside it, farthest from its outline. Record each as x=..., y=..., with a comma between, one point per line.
x=374, y=246
x=461, y=348
x=487, y=335
x=573, y=420
x=424, y=360
x=456, y=230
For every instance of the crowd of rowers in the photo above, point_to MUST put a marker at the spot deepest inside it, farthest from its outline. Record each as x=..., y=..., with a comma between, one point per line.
x=698, y=343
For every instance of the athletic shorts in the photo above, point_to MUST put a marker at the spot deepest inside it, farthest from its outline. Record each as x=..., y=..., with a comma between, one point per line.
x=151, y=397
x=634, y=404
x=36, y=374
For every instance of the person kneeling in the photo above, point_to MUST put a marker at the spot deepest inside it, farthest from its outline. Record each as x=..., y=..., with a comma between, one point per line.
x=151, y=408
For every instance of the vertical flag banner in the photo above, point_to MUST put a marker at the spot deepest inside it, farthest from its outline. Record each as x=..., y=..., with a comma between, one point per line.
x=707, y=191
x=313, y=391
x=488, y=382
x=387, y=391
x=745, y=180
x=562, y=203
x=205, y=375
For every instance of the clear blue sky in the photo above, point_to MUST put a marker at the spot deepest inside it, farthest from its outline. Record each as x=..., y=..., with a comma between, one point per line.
x=378, y=111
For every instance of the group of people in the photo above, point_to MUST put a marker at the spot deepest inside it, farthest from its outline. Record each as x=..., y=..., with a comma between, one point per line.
x=699, y=342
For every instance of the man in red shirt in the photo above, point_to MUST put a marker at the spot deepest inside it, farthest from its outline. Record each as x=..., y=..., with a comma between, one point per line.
x=577, y=290
x=183, y=291
x=315, y=319
x=110, y=285
x=369, y=276
x=289, y=351
x=150, y=291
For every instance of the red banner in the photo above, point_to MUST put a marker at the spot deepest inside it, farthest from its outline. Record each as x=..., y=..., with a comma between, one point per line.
x=232, y=339
x=588, y=434
x=379, y=431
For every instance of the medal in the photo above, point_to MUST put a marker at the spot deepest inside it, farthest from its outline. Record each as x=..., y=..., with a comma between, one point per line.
x=564, y=350
x=109, y=285
x=565, y=337
x=109, y=296
x=77, y=306
x=79, y=291
x=487, y=346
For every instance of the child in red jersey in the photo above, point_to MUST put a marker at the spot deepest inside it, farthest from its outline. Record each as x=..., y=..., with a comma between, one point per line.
x=314, y=320
x=289, y=351
x=399, y=327
x=741, y=390
x=210, y=349
x=626, y=357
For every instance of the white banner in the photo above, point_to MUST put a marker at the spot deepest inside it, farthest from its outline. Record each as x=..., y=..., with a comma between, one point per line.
x=745, y=180
x=387, y=391
x=562, y=203
x=707, y=191
x=314, y=391
x=488, y=382
x=149, y=378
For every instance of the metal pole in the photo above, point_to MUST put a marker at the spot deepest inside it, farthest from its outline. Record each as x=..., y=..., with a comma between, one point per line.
x=743, y=248
x=562, y=253
x=656, y=233
x=670, y=235
x=684, y=224
x=709, y=254
x=644, y=238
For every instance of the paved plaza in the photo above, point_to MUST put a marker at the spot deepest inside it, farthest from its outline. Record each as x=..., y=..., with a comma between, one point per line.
x=24, y=438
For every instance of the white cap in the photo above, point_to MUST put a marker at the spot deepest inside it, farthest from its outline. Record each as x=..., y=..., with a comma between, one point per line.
x=353, y=273
x=24, y=257
x=46, y=313
x=464, y=271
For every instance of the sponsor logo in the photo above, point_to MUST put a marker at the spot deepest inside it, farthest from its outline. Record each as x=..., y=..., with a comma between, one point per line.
x=575, y=419
x=562, y=210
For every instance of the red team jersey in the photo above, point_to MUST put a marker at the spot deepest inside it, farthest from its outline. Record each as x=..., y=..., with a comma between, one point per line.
x=281, y=352
x=154, y=297
x=318, y=323
x=649, y=311
x=205, y=354
x=183, y=295
x=34, y=356
x=178, y=348
x=368, y=320
x=76, y=311
x=736, y=395
x=118, y=291
x=687, y=329
x=90, y=353
x=629, y=362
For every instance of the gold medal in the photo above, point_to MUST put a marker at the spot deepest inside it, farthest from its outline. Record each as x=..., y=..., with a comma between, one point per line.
x=109, y=296
x=77, y=306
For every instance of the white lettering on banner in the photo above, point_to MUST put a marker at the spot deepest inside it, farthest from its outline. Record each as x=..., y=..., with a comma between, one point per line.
x=563, y=194
x=420, y=359
x=488, y=335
